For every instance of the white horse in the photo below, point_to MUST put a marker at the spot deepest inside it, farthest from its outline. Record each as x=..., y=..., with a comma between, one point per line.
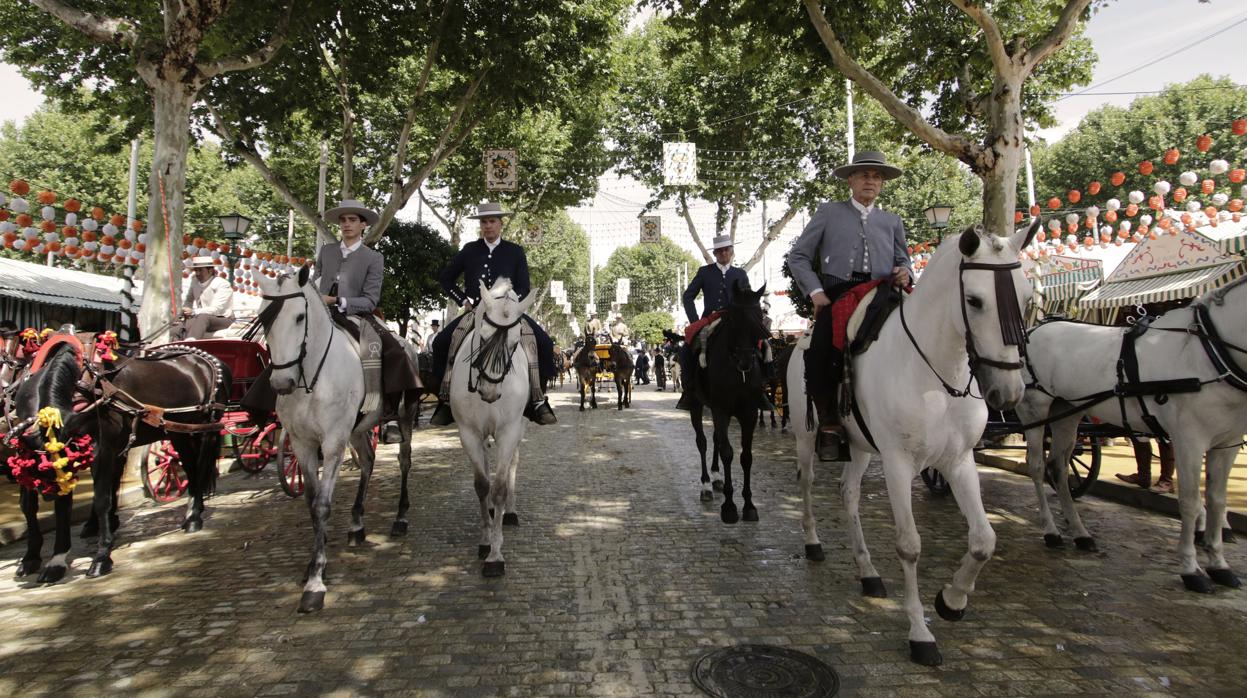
x=1070, y=361
x=319, y=380
x=951, y=331
x=488, y=393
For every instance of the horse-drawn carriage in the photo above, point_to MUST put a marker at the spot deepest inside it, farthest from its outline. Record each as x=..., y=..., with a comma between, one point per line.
x=603, y=352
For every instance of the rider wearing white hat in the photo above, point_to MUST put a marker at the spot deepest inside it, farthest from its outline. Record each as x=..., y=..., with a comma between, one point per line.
x=208, y=305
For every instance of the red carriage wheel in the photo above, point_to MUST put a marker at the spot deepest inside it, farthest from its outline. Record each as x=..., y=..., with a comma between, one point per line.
x=163, y=477
x=288, y=468
x=254, y=451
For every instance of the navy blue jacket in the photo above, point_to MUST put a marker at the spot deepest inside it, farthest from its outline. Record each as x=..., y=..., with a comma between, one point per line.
x=716, y=288
x=476, y=264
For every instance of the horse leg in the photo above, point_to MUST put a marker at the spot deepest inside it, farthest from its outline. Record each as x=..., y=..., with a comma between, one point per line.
x=699, y=436
x=1189, y=458
x=408, y=417
x=748, y=512
x=593, y=393
x=28, y=500
x=511, y=516
x=102, y=497
x=1219, y=463
x=851, y=495
x=716, y=474
x=318, y=490
x=899, y=475
x=506, y=444
x=1064, y=435
x=619, y=394
x=58, y=565
x=474, y=445
x=723, y=446
x=581, y=382
x=365, y=457
x=963, y=478
x=200, y=467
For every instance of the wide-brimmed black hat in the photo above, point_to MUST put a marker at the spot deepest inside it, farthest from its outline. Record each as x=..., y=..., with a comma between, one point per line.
x=868, y=160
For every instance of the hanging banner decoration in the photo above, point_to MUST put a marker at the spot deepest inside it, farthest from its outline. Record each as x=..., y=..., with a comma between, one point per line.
x=500, y=170
x=651, y=228
x=591, y=308
x=679, y=164
x=556, y=288
x=534, y=232
x=623, y=286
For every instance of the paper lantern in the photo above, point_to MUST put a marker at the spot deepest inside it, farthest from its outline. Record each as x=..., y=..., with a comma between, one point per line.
x=1239, y=127
x=73, y=205
x=1218, y=166
x=1162, y=187
x=1203, y=143
x=1237, y=175
x=1110, y=216
x=1156, y=203
x=1054, y=203
x=1220, y=198
x=20, y=187
x=1171, y=156
x=1017, y=217
x=1071, y=218
x=1074, y=196
x=1188, y=178
x=97, y=213
x=1146, y=167
x=1208, y=186
x=1210, y=212
x=46, y=197
x=1236, y=205
x=1117, y=178
x=1179, y=194
x=1093, y=188
x=1135, y=197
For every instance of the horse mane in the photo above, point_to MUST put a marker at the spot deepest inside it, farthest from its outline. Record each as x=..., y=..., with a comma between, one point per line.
x=59, y=377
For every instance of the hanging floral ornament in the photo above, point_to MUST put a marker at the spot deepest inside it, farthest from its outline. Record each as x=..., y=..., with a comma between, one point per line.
x=1034, y=211
x=1192, y=205
x=1217, y=167
x=1123, y=229
x=1071, y=218
x=1156, y=203
x=1145, y=220
x=1054, y=225
x=1017, y=217
x=1072, y=241
x=1110, y=216
x=46, y=197
x=1171, y=156
x=1093, y=211
x=1088, y=241
x=90, y=224
x=97, y=213
x=1203, y=143
x=1117, y=178
x=1162, y=187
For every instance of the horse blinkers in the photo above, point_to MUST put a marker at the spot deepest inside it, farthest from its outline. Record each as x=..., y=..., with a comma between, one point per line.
x=1012, y=328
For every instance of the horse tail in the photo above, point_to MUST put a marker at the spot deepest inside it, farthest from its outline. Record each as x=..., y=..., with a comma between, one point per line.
x=128, y=336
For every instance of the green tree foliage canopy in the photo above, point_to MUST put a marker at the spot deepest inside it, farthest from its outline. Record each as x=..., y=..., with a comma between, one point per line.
x=649, y=326
x=651, y=268
x=414, y=255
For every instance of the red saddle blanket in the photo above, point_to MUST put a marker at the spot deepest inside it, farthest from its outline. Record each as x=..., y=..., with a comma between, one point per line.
x=842, y=309
x=691, y=331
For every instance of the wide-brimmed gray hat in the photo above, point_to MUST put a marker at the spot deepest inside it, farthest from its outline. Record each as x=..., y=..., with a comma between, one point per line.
x=202, y=261
x=721, y=241
x=351, y=206
x=868, y=160
x=488, y=209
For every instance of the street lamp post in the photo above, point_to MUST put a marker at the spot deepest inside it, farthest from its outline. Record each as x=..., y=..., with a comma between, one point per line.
x=937, y=217
x=233, y=227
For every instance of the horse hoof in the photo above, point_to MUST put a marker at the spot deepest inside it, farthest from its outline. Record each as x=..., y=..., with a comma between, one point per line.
x=1053, y=540
x=52, y=575
x=1197, y=583
x=1227, y=536
x=1199, y=538
x=494, y=569
x=1085, y=544
x=510, y=519
x=99, y=568
x=26, y=567
x=398, y=529
x=925, y=653
x=482, y=552
x=949, y=614
x=751, y=514
x=729, y=515
x=1224, y=576
x=707, y=495
x=311, y=601
x=873, y=587
x=815, y=552
x=718, y=485
x=192, y=525
x=354, y=538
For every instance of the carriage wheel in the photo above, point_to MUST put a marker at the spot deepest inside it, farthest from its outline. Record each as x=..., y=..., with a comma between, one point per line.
x=1084, y=466
x=163, y=477
x=288, y=468
x=254, y=451
x=934, y=480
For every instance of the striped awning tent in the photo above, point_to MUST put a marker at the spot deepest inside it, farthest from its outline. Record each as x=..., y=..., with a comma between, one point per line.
x=1170, y=267
x=1069, y=278
x=1229, y=236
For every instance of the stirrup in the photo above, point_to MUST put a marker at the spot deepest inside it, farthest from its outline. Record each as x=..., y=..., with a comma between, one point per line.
x=832, y=444
x=391, y=433
x=541, y=412
x=442, y=416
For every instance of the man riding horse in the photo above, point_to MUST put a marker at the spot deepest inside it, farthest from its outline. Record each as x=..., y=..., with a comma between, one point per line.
x=717, y=282
x=845, y=244
x=485, y=261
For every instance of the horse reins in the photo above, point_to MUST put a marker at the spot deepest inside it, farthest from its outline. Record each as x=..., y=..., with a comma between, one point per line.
x=266, y=318
x=492, y=354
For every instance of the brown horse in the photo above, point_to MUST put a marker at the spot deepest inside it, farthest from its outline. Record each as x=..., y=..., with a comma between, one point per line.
x=587, y=367
x=177, y=394
x=620, y=364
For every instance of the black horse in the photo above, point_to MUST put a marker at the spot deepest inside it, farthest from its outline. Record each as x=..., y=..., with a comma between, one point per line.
x=621, y=366
x=587, y=365
x=730, y=385
x=177, y=393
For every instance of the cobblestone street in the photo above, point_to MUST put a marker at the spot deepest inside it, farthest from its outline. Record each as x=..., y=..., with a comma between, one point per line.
x=617, y=578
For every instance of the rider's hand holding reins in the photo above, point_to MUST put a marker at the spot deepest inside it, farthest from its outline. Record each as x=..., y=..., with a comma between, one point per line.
x=900, y=277
x=330, y=300
x=820, y=301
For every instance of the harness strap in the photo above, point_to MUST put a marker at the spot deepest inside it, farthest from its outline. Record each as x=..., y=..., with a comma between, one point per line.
x=1214, y=346
x=1128, y=375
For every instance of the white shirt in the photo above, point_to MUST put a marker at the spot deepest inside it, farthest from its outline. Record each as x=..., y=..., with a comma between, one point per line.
x=215, y=297
x=346, y=251
x=723, y=267
x=493, y=245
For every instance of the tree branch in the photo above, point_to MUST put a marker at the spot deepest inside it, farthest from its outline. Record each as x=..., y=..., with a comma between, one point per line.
x=348, y=121
x=692, y=228
x=436, y=214
x=430, y=57
x=256, y=58
x=106, y=30
x=253, y=157
x=954, y=145
x=772, y=234
x=991, y=33
x=1057, y=37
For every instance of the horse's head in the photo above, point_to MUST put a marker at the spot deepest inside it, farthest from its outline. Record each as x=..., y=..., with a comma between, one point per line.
x=742, y=329
x=992, y=293
x=288, y=300
x=498, y=334
x=52, y=385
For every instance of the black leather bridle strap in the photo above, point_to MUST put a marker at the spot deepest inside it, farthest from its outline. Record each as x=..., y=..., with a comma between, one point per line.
x=1012, y=329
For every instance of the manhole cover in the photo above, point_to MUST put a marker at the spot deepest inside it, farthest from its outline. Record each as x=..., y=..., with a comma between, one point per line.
x=761, y=671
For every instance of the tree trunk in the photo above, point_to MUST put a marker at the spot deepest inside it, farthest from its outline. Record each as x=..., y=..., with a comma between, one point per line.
x=162, y=289
x=1000, y=177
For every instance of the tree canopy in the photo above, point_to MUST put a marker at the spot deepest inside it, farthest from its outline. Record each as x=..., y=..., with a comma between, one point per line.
x=414, y=255
x=651, y=268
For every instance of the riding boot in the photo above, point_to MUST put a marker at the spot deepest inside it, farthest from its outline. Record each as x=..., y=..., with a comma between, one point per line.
x=538, y=409
x=831, y=442
x=442, y=415
x=390, y=432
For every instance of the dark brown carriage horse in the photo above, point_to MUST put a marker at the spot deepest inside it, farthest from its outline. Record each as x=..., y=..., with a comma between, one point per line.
x=587, y=365
x=621, y=366
x=177, y=393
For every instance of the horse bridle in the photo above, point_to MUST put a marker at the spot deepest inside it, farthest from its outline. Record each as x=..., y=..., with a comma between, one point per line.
x=1012, y=329
x=266, y=318
x=492, y=353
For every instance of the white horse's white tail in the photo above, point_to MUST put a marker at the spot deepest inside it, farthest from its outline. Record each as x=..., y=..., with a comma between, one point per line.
x=488, y=393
